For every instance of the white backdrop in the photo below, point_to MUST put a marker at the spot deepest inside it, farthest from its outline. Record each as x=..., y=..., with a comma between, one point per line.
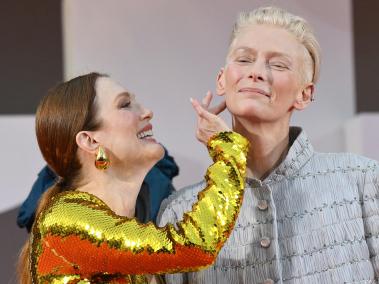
x=167, y=51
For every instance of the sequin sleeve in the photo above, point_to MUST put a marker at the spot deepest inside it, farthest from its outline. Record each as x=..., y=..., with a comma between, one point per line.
x=80, y=237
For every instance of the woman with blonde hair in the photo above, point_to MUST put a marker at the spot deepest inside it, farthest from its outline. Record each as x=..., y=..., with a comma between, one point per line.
x=307, y=217
x=98, y=139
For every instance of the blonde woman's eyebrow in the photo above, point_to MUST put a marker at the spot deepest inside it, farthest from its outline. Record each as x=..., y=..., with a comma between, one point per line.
x=243, y=49
x=280, y=55
x=269, y=53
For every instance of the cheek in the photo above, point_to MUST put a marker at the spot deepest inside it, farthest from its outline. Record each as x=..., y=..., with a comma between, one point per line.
x=127, y=120
x=121, y=127
x=285, y=86
x=239, y=106
x=232, y=76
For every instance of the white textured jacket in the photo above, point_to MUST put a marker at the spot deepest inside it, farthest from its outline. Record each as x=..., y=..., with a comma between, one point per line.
x=314, y=219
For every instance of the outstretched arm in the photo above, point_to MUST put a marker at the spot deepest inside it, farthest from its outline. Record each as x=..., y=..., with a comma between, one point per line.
x=81, y=235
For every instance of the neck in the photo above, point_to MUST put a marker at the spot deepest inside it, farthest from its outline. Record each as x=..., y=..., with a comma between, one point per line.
x=269, y=144
x=118, y=191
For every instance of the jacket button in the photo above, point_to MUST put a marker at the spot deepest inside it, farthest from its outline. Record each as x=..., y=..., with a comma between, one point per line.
x=265, y=242
x=262, y=205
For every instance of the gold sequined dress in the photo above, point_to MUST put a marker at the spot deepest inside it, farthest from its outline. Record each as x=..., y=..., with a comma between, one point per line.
x=79, y=239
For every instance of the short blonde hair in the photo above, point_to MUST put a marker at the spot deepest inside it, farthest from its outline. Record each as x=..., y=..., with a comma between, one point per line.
x=296, y=25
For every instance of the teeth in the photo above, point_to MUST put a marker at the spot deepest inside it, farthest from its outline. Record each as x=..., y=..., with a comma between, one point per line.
x=144, y=134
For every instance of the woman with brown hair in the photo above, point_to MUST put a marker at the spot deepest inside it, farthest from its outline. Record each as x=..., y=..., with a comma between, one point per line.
x=98, y=139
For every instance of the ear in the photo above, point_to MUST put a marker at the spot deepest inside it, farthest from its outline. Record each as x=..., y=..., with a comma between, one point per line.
x=304, y=97
x=86, y=142
x=220, y=82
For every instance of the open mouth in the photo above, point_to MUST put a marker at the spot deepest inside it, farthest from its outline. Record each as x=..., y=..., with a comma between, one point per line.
x=145, y=134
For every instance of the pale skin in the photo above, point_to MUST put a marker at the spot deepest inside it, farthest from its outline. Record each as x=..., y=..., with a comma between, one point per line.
x=263, y=83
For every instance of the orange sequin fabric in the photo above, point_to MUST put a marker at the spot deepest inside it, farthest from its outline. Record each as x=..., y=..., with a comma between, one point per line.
x=79, y=239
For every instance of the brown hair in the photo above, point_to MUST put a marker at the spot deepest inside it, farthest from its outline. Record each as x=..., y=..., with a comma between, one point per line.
x=67, y=109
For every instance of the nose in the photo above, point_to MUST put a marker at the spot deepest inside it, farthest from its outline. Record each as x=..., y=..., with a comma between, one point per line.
x=146, y=113
x=258, y=71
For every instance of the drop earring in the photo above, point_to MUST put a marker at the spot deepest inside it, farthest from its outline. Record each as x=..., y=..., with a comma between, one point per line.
x=101, y=162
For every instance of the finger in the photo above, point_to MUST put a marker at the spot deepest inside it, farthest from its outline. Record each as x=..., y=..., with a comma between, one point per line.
x=218, y=108
x=197, y=107
x=207, y=99
x=201, y=112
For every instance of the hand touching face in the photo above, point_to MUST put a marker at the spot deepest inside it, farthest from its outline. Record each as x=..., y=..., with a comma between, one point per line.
x=208, y=121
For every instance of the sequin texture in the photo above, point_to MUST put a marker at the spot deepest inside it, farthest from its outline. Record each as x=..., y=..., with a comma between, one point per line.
x=79, y=239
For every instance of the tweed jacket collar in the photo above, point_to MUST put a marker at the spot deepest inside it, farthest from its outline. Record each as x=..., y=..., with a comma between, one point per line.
x=298, y=155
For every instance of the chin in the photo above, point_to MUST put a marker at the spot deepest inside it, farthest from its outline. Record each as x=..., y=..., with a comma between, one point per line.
x=244, y=110
x=154, y=157
x=157, y=153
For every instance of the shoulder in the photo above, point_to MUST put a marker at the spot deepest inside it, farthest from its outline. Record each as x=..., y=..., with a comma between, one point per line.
x=345, y=168
x=69, y=207
x=70, y=201
x=173, y=207
x=76, y=196
x=342, y=162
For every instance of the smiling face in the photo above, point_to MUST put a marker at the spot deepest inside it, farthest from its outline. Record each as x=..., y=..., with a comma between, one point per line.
x=125, y=131
x=262, y=80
